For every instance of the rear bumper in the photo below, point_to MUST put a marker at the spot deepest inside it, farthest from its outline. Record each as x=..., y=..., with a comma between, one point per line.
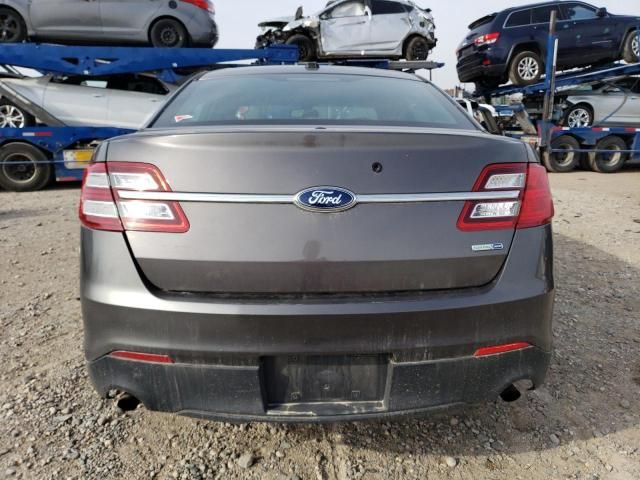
x=220, y=344
x=237, y=393
x=472, y=69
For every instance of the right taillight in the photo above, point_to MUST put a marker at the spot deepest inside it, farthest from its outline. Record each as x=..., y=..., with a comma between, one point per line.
x=104, y=206
x=527, y=199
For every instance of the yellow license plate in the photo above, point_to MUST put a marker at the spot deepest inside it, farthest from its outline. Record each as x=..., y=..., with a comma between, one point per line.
x=78, y=158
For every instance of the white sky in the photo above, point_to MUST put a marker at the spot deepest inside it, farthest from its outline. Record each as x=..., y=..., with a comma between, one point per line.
x=238, y=20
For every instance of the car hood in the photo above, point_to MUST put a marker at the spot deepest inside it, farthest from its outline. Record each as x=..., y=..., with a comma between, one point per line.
x=278, y=22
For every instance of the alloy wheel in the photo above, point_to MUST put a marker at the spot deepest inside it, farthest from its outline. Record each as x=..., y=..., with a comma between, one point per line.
x=19, y=168
x=635, y=46
x=11, y=117
x=579, y=117
x=528, y=68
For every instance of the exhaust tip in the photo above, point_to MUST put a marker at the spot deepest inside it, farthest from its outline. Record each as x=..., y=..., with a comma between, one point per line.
x=127, y=402
x=510, y=394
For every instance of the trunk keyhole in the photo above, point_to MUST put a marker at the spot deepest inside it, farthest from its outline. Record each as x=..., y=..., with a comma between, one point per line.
x=377, y=167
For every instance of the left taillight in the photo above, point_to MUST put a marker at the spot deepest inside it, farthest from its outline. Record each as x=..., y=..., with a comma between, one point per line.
x=103, y=206
x=487, y=39
x=527, y=199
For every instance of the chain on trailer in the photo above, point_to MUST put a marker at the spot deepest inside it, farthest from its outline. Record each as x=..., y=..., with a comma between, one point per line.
x=601, y=149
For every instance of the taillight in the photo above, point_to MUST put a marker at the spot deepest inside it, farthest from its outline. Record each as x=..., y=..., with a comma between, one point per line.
x=103, y=206
x=203, y=4
x=486, y=39
x=527, y=199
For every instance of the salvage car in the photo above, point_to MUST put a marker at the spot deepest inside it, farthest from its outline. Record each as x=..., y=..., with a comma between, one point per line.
x=356, y=28
x=173, y=24
x=125, y=101
x=614, y=103
x=512, y=44
x=311, y=243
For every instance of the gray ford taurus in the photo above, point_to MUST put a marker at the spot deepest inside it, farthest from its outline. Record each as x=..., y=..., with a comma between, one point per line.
x=315, y=243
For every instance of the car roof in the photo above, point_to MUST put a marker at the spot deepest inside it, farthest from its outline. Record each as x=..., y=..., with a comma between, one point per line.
x=306, y=69
x=540, y=4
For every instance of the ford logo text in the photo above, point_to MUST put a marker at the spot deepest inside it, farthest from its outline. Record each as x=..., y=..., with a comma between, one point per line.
x=325, y=199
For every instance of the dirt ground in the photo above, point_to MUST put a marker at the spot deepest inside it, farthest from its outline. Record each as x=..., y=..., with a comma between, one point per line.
x=583, y=424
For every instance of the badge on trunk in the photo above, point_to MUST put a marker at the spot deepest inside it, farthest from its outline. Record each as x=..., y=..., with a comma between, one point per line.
x=325, y=199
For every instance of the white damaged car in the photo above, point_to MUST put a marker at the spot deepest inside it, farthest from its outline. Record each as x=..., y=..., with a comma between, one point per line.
x=354, y=29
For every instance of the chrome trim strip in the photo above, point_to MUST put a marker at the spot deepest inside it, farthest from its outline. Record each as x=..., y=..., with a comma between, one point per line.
x=367, y=198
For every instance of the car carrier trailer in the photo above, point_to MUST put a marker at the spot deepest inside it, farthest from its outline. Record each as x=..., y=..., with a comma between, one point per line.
x=597, y=148
x=31, y=157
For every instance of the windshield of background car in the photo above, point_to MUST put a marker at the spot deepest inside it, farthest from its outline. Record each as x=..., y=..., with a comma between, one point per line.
x=298, y=98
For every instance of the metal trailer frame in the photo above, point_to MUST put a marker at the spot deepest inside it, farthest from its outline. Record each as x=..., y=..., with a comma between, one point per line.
x=56, y=138
x=548, y=131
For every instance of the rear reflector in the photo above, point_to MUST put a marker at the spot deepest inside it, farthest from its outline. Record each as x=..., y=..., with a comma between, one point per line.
x=508, y=347
x=101, y=207
x=142, y=357
x=533, y=206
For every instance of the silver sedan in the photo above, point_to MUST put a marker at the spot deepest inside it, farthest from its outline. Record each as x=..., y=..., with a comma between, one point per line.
x=124, y=101
x=607, y=103
x=178, y=23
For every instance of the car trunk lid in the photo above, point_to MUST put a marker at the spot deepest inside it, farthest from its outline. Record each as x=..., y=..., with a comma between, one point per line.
x=246, y=235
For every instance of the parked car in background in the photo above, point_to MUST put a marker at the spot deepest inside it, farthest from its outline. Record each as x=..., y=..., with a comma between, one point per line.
x=177, y=23
x=482, y=113
x=125, y=101
x=302, y=245
x=606, y=103
x=512, y=44
x=356, y=28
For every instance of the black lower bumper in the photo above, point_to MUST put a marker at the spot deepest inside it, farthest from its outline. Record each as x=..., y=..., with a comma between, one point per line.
x=238, y=392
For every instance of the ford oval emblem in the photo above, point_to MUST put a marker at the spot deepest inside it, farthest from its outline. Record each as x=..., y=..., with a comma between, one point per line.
x=325, y=199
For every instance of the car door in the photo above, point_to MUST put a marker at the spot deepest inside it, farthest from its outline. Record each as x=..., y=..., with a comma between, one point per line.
x=78, y=101
x=127, y=17
x=540, y=18
x=73, y=19
x=591, y=34
x=133, y=99
x=629, y=113
x=346, y=28
x=390, y=25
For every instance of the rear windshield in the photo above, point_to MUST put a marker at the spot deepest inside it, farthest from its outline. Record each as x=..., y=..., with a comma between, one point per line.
x=311, y=98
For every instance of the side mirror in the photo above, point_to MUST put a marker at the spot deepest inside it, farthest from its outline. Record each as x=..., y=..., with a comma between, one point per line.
x=299, y=13
x=602, y=12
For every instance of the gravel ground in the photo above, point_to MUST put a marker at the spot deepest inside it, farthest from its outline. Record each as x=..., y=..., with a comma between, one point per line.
x=583, y=424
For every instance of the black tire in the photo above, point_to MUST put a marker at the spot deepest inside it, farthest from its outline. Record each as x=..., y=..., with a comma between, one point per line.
x=580, y=115
x=12, y=26
x=306, y=47
x=526, y=68
x=608, y=162
x=168, y=33
x=631, y=49
x=12, y=116
x=23, y=177
x=562, y=162
x=417, y=49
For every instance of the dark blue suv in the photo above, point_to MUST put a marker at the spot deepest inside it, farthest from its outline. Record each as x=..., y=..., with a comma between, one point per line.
x=511, y=45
